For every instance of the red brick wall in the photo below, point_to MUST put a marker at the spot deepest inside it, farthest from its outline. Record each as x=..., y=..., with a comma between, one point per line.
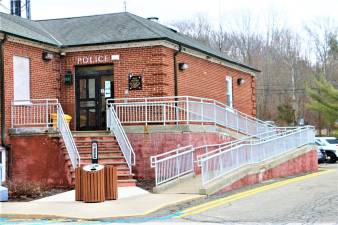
x=155, y=64
x=44, y=75
x=147, y=145
x=207, y=79
x=38, y=159
x=149, y=62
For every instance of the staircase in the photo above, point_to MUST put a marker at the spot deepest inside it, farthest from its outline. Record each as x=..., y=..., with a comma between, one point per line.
x=109, y=154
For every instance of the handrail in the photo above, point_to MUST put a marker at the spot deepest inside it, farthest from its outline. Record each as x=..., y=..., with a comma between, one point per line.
x=173, y=164
x=67, y=137
x=186, y=109
x=253, y=151
x=0, y=174
x=33, y=112
x=115, y=127
x=123, y=101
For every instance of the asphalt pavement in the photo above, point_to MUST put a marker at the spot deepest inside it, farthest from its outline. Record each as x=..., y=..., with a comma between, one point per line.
x=305, y=199
x=311, y=200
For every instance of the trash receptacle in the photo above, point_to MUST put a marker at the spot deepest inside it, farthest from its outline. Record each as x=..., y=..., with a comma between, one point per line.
x=78, y=184
x=93, y=183
x=111, y=182
x=54, y=117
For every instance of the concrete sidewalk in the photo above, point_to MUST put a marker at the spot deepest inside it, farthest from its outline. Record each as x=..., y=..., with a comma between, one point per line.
x=138, y=205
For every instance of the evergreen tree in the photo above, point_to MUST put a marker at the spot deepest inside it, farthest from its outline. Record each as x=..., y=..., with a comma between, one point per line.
x=324, y=99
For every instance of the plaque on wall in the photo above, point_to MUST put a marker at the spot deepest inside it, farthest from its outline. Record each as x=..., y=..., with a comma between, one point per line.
x=135, y=82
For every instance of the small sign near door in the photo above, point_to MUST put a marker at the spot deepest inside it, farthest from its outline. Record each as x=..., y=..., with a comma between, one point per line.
x=107, y=89
x=135, y=82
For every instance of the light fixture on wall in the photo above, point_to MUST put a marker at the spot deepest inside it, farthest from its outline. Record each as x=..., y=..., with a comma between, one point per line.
x=183, y=66
x=240, y=81
x=47, y=56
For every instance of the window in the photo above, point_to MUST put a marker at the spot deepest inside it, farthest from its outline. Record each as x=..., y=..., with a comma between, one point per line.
x=21, y=79
x=229, y=91
x=332, y=141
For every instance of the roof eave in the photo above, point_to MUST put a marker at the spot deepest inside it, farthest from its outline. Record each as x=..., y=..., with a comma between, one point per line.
x=30, y=39
x=172, y=41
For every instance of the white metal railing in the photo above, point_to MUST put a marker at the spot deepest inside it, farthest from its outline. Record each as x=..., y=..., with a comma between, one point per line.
x=33, y=113
x=67, y=137
x=186, y=109
x=114, y=125
x=173, y=164
x=38, y=113
x=230, y=157
x=2, y=165
x=209, y=149
x=1, y=174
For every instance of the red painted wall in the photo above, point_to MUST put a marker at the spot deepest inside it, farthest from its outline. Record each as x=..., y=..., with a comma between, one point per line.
x=147, y=145
x=305, y=163
x=38, y=159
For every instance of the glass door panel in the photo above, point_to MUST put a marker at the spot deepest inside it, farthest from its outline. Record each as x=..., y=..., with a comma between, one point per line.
x=87, y=103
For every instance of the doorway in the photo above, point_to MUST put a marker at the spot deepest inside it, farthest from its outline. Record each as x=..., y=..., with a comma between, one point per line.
x=93, y=85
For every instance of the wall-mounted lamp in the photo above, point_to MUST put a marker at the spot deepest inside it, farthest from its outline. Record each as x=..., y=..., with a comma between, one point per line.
x=240, y=81
x=183, y=66
x=47, y=56
x=68, y=78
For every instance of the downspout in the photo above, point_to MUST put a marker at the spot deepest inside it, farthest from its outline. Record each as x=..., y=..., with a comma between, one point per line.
x=2, y=103
x=175, y=70
x=176, y=82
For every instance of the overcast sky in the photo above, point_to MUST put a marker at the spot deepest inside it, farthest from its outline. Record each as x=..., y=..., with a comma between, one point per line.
x=292, y=12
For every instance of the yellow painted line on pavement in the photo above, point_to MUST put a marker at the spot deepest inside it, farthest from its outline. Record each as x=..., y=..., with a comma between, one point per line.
x=212, y=204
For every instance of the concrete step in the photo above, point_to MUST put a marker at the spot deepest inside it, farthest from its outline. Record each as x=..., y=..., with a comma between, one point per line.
x=101, y=148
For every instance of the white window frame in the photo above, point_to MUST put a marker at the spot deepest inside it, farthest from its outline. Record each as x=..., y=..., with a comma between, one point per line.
x=229, y=91
x=21, y=80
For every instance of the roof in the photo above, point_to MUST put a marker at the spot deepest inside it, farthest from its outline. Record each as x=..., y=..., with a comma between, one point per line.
x=102, y=29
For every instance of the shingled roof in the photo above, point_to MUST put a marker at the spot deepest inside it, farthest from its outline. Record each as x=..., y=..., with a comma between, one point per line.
x=102, y=29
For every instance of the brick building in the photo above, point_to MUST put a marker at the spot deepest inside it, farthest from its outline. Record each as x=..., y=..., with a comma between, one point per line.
x=79, y=63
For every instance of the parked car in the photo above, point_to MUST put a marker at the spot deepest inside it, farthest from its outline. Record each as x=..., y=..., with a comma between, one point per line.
x=321, y=154
x=330, y=146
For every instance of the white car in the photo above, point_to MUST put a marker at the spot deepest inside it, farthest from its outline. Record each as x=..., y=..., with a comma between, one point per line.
x=330, y=145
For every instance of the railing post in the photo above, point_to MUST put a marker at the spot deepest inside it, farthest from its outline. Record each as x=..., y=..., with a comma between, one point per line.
x=226, y=117
x=156, y=174
x=251, y=152
x=12, y=115
x=46, y=112
x=202, y=112
x=187, y=109
x=237, y=127
x=164, y=113
x=215, y=113
x=177, y=164
x=146, y=112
